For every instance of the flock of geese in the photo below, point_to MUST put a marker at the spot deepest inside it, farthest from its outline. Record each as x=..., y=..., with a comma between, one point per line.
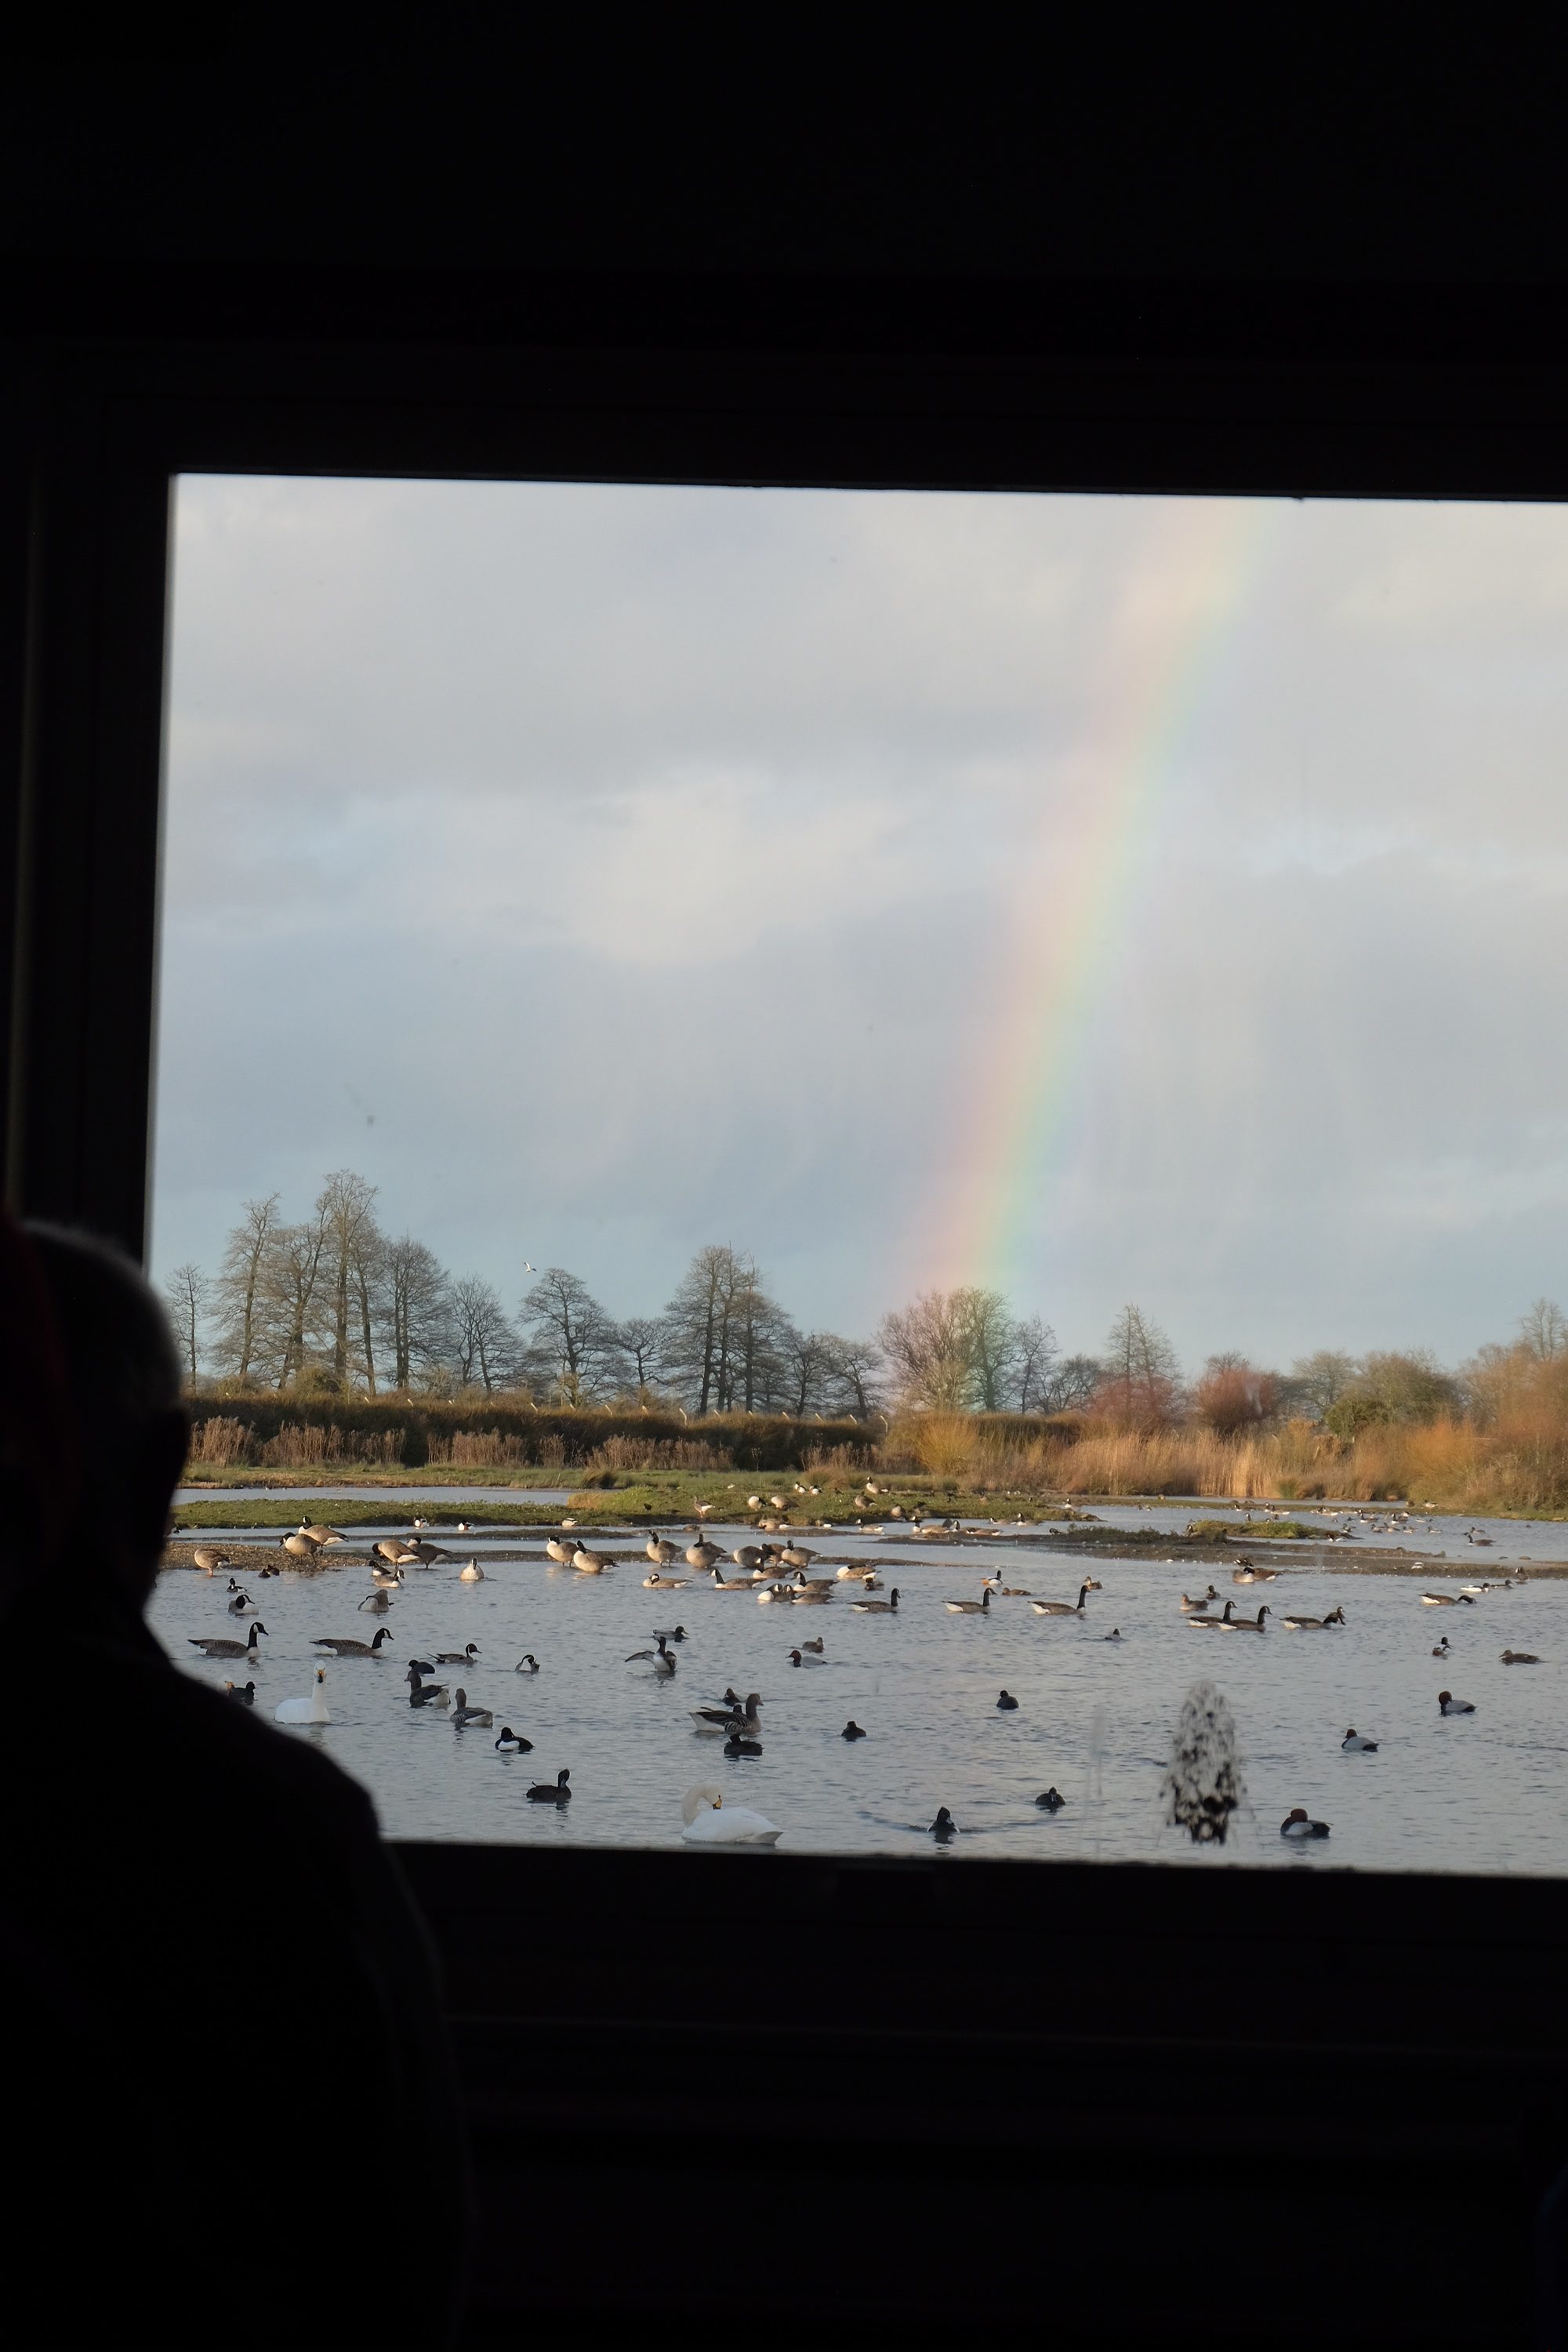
x=776, y=1574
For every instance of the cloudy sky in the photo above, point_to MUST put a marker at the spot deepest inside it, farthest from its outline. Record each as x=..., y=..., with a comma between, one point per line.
x=1110, y=897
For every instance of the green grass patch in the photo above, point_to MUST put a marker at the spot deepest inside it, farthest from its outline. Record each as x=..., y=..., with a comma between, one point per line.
x=1256, y=1530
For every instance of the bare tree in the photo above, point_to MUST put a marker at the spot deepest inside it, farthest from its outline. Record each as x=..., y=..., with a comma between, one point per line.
x=292, y=1286
x=757, y=1355
x=991, y=1336
x=570, y=1338
x=700, y=1323
x=639, y=1344
x=484, y=1342
x=344, y=1211
x=811, y=1363
x=855, y=1366
x=240, y=1295
x=1141, y=1383
x=1543, y=1329
x=927, y=1346
x=1320, y=1380
x=1234, y=1395
x=416, y=1307
x=1034, y=1358
x=188, y=1291
x=1072, y=1381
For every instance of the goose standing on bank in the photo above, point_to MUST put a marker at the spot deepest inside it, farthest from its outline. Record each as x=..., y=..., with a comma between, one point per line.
x=209, y=1559
x=708, y=1820
x=561, y=1553
x=301, y=1547
x=661, y=1551
x=702, y=1554
x=1063, y=1608
x=306, y=1710
x=341, y=1647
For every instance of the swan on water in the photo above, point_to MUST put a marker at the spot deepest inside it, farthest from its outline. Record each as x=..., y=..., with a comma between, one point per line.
x=472, y=1574
x=710, y=1821
x=306, y=1710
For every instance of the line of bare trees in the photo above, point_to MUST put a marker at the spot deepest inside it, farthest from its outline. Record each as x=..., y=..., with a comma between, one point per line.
x=337, y=1304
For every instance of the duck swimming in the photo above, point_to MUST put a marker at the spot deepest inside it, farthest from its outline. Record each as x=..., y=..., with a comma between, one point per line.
x=527, y=1664
x=1006, y=1703
x=552, y=1792
x=852, y=1730
x=1296, y=1825
x=1050, y=1801
x=1448, y=1704
x=670, y=1633
x=710, y=1821
x=944, y=1827
x=243, y=1694
x=1352, y=1744
x=463, y=1657
x=513, y=1743
x=1442, y=1650
x=738, y=1743
x=465, y=1717
x=1519, y=1658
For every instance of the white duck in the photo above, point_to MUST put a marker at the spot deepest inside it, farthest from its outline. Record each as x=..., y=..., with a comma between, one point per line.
x=306, y=1710
x=710, y=1821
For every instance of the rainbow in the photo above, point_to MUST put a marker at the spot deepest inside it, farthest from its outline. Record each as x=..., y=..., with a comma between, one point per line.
x=1076, y=898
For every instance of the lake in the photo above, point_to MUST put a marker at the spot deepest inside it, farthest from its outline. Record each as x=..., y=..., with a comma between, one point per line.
x=1483, y=1792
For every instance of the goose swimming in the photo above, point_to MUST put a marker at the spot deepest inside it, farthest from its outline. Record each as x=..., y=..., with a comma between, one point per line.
x=734, y=1584
x=341, y=1647
x=214, y=1646
x=1448, y=1600
x=1296, y=1825
x=552, y=1792
x=658, y=1582
x=747, y=1555
x=465, y=1717
x=378, y=1601
x=241, y=1601
x=708, y=1820
x=868, y=1609
x=306, y=1710
x=1448, y=1704
x=1248, y=1624
x=513, y=1743
x=1208, y=1624
x=423, y=1694
x=1063, y=1608
x=971, y=1608
x=721, y=1718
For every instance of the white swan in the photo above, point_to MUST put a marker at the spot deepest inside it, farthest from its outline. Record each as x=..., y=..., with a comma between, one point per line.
x=306, y=1710
x=472, y=1574
x=710, y=1821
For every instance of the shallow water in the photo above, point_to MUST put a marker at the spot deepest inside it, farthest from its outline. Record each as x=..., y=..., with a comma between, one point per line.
x=400, y=1499
x=1484, y=1793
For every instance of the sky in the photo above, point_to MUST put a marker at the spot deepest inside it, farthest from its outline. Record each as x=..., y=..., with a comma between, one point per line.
x=1105, y=899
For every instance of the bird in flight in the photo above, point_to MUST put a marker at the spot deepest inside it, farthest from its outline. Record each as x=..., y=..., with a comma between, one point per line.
x=529, y=1269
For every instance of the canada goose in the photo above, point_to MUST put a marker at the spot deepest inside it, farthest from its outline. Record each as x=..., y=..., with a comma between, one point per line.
x=391, y=1552
x=944, y=1826
x=1248, y=1624
x=341, y=1647
x=561, y=1553
x=1049, y=1802
x=721, y=1718
x=552, y=1792
x=243, y=1692
x=1448, y=1600
x=702, y=1554
x=426, y=1554
x=1006, y=1703
x=749, y=1557
x=1442, y=1649
x=1519, y=1658
x=871, y=1609
x=1302, y=1624
x=212, y=1646
x=472, y=1574
x=463, y=1657
x=1354, y=1744
x=1247, y=1574
x=306, y=1710
x=1208, y=1625
x=1296, y=1825
x=1448, y=1704
x=1062, y=1608
x=816, y=1645
x=734, y=1584
x=465, y=1717
x=301, y=1547
x=740, y=1744
x=386, y=1580
x=794, y=1555
x=670, y=1633
x=852, y=1571
x=663, y=1658
x=659, y=1550
x=320, y=1535
x=852, y=1730
x=240, y=1604
x=589, y=1563
x=527, y=1664
x=1188, y=1604
x=657, y=1584
x=209, y=1559
x=513, y=1743
x=971, y=1608
x=710, y=1821
x=423, y=1694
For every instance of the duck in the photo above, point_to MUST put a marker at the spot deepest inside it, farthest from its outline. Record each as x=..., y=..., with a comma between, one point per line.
x=527, y=1664
x=341, y=1647
x=306, y=1710
x=472, y=1574
x=424, y=1693
x=1442, y=1650
x=210, y=1558
x=465, y=1717
x=739, y=1744
x=1249, y=1624
x=1448, y=1600
x=552, y=1792
x=670, y=1633
x=513, y=1743
x=702, y=1554
x=1448, y=1704
x=660, y=1551
x=380, y=1603
x=1296, y=1825
x=1188, y=1604
x=1115, y=1634
x=868, y=1609
x=243, y=1694
x=1247, y=1574
x=241, y=1602
x=658, y=1583
x=1063, y=1608
x=562, y=1553
x=589, y=1563
x=1352, y=1744
x=720, y=1719
x=816, y=1645
x=971, y=1608
x=944, y=1827
x=1519, y=1658
x=797, y=1658
x=1014, y=1593
x=663, y=1658
x=1006, y=1703
x=1050, y=1801
x=708, y=1820
x=214, y=1646
x=852, y=1730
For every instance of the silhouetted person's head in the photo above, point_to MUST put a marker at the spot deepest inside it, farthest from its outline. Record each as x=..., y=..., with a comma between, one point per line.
x=121, y=1384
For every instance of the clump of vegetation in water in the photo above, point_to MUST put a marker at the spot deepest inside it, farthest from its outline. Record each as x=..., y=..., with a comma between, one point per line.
x=1256, y=1530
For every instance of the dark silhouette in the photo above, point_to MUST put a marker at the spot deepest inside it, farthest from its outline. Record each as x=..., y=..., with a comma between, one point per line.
x=218, y=1986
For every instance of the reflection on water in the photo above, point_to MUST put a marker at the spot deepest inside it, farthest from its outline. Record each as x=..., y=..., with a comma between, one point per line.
x=1489, y=1791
